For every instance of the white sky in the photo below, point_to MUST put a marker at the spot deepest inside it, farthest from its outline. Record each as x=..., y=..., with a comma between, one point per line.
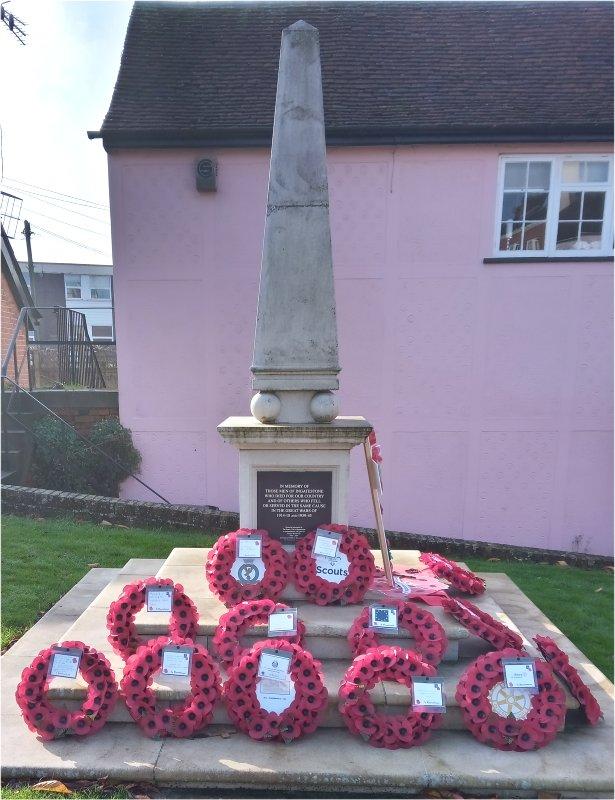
x=53, y=90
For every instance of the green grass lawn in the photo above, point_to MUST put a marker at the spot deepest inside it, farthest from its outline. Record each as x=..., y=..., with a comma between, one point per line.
x=43, y=559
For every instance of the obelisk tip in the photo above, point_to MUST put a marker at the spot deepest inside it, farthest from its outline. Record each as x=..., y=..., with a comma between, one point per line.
x=300, y=25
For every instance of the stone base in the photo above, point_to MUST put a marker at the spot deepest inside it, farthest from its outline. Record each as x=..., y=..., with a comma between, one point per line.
x=331, y=761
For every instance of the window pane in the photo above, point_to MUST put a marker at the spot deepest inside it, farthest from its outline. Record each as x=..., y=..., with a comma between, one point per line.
x=591, y=234
x=100, y=287
x=593, y=205
x=73, y=293
x=570, y=205
x=73, y=286
x=536, y=205
x=101, y=332
x=567, y=235
x=534, y=236
x=512, y=207
x=573, y=171
x=597, y=171
x=515, y=175
x=539, y=175
x=510, y=235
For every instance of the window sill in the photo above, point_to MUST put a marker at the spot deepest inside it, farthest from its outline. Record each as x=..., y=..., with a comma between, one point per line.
x=543, y=259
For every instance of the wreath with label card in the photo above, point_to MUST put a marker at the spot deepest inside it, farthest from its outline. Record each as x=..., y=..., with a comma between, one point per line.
x=271, y=709
x=234, y=623
x=121, y=615
x=429, y=636
x=481, y=624
x=462, y=579
x=238, y=569
x=560, y=663
x=343, y=577
x=179, y=720
x=49, y=721
x=391, y=731
x=510, y=718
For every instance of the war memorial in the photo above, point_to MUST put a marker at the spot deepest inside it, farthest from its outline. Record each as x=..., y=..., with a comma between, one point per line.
x=290, y=657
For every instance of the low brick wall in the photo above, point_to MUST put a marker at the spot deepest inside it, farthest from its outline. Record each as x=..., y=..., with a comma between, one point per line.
x=47, y=503
x=82, y=408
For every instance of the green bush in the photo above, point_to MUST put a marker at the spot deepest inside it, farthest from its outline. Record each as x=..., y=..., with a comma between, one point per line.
x=63, y=461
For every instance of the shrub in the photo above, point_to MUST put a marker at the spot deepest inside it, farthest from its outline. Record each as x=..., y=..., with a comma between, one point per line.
x=63, y=461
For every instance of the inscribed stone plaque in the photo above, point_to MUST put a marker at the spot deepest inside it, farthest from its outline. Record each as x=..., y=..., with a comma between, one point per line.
x=291, y=503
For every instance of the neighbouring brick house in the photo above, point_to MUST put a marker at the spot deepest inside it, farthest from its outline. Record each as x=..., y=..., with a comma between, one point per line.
x=15, y=295
x=471, y=184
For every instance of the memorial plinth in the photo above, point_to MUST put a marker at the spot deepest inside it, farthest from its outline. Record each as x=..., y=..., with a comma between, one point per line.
x=293, y=477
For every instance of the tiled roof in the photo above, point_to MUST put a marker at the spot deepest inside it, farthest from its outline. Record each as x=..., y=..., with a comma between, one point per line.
x=392, y=71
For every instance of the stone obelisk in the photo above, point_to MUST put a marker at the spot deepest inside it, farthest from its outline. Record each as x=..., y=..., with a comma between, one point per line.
x=295, y=363
x=294, y=451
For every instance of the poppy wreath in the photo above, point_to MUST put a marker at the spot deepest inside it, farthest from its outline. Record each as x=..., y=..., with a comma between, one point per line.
x=50, y=722
x=461, y=579
x=560, y=663
x=510, y=719
x=353, y=587
x=482, y=624
x=359, y=713
x=230, y=591
x=234, y=623
x=177, y=720
x=302, y=716
x=429, y=636
x=121, y=615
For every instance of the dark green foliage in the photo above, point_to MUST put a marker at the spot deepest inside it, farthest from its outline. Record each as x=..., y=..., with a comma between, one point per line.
x=63, y=461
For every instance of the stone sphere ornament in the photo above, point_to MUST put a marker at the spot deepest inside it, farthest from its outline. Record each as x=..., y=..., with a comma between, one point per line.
x=50, y=722
x=265, y=407
x=506, y=718
x=324, y=407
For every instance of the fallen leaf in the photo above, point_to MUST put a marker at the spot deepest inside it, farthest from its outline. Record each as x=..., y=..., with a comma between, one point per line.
x=51, y=786
x=609, y=568
x=599, y=589
x=93, y=566
x=494, y=559
x=106, y=523
x=561, y=563
x=126, y=527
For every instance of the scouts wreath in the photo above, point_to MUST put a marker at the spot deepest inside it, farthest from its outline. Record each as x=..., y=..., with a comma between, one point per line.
x=180, y=720
x=121, y=615
x=429, y=636
x=234, y=623
x=448, y=570
x=304, y=712
x=359, y=713
x=505, y=718
x=561, y=665
x=50, y=722
x=481, y=624
x=229, y=589
x=345, y=579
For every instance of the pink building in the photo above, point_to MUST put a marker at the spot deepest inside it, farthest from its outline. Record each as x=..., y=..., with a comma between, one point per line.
x=471, y=188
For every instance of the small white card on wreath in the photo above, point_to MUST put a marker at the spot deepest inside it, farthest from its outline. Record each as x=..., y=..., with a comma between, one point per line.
x=428, y=695
x=274, y=664
x=520, y=673
x=283, y=622
x=65, y=662
x=383, y=619
x=326, y=543
x=176, y=660
x=249, y=546
x=159, y=598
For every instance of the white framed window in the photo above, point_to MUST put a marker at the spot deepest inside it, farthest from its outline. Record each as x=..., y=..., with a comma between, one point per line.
x=87, y=287
x=102, y=333
x=100, y=287
x=72, y=285
x=554, y=206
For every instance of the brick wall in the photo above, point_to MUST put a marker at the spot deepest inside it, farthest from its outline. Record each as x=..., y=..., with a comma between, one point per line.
x=82, y=408
x=83, y=418
x=10, y=313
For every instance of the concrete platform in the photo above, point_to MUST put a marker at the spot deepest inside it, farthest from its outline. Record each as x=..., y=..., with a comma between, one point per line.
x=577, y=764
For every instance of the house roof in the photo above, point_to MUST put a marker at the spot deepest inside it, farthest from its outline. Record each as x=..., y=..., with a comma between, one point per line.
x=205, y=73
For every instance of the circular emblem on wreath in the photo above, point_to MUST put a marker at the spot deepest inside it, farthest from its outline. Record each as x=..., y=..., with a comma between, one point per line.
x=248, y=573
x=506, y=701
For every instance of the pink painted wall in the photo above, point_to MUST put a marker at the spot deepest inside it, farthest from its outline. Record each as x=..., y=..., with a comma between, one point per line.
x=490, y=385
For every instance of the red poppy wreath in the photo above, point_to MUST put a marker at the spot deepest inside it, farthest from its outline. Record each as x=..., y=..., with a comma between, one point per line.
x=481, y=624
x=461, y=579
x=505, y=718
x=561, y=665
x=180, y=720
x=121, y=615
x=255, y=708
x=344, y=579
x=429, y=636
x=234, y=623
x=50, y=722
x=391, y=731
x=233, y=580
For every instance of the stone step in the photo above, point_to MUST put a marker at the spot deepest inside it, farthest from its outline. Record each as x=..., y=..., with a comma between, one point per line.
x=390, y=696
